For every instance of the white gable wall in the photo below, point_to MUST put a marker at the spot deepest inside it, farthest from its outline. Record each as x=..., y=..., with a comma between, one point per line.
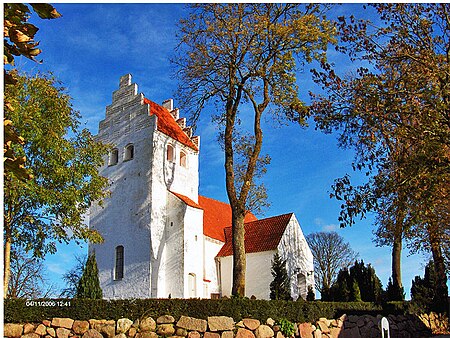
x=299, y=260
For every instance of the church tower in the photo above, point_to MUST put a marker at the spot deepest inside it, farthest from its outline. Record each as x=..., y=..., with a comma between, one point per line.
x=146, y=224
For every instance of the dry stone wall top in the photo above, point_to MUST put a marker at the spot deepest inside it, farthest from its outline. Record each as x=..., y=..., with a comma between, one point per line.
x=220, y=327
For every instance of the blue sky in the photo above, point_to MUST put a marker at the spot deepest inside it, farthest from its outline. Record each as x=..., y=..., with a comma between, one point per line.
x=92, y=45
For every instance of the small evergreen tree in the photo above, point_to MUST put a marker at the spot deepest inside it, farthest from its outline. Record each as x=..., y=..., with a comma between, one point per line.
x=310, y=296
x=359, y=283
x=89, y=284
x=355, y=294
x=280, y=286
x=423, y=289
x=394, y=292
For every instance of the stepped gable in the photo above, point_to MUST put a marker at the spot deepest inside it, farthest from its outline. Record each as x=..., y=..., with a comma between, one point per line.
x=217, y=216
x=187, y=200
x=167, y=124
x=260, y=235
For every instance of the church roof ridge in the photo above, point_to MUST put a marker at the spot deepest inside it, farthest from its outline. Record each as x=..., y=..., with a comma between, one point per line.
x=168, y=125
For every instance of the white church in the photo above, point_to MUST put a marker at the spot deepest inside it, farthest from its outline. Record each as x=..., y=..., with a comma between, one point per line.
x=161, y=238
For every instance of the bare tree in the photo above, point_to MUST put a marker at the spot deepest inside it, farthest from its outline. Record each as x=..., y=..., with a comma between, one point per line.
x=27, y=276
x=72, y=277
x=331, y=254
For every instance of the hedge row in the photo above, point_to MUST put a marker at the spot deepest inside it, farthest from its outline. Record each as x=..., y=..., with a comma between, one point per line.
x=20, y=310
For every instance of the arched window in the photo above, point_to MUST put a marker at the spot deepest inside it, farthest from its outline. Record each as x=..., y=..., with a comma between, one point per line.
x=118, y=272
x=170, y=153
x=183, y=159
x=129, y=152
x=114, y=156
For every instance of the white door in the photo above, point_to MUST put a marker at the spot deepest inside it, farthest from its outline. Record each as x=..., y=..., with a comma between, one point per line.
x=192, y=287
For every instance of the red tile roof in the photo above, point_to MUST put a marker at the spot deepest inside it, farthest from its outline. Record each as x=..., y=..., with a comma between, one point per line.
x=167, y=124
x=261, y=235
x=217, y=216
x=187, y=200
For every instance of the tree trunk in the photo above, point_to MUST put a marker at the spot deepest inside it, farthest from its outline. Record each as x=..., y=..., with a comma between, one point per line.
x=440, y=301
x=396, y=259
x=239, y=259
x=7, y=260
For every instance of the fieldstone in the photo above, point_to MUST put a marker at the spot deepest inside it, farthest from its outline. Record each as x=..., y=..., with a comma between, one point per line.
x=92, y=333
x=80, y=326
x=62, y=332
x=193, y=334
x=147, y=334
x=227, y=334
x=51, y=332
x=211, y=335
x=108, y=329
x=323, y=327
x=353, y=333
x=220, y=323
x=306, y=330
x=264, y=331
x=132, y=332
x=335, y=332
x=325, y=320
x=120, y=335
x=192, y=324
x=251, y=324
x=123, y=325
x=46, y=322
x=276, y=328
x=296, y=330
x=240, y=324
x=63, y=322
x=360, y=322
x=279, y=335
x=165, y=330
x=244, y=333
x=181, y=332
x=147, y=324
x=41, y=330
x=30, y=335
x=318, y=334
x=166, y=319
x=28, y=328
x=270, y=322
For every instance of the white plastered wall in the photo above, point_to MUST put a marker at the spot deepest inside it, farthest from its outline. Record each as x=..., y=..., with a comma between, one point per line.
x=257, y=275
x=210, y=275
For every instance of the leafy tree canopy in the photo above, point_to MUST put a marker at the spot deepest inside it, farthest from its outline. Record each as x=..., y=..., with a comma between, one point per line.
x=63, y=160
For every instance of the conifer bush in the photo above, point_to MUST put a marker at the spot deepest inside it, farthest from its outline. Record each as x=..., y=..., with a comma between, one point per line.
x=89, y=284
x=280, y=286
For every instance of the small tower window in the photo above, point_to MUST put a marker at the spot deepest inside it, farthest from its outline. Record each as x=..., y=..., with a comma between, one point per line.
x=114, y=156
x=129, y=152
x=170, y=153
x=183, y=159
x=118, y=273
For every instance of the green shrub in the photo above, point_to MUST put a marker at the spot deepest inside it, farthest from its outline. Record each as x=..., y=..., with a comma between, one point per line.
x=287, y=328
x=20, y=310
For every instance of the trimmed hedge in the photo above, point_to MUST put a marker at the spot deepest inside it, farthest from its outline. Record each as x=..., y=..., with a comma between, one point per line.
x=21, y=310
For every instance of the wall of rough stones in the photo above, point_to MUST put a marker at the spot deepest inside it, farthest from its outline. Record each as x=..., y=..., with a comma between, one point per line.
x=216, y=327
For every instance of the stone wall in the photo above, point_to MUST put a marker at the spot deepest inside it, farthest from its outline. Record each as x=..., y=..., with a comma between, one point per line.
x=216, y=327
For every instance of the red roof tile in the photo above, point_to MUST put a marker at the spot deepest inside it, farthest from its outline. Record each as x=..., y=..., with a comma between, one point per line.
x=261, y=235
x=217, y=216
x=167, y=124
x=187, y=200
